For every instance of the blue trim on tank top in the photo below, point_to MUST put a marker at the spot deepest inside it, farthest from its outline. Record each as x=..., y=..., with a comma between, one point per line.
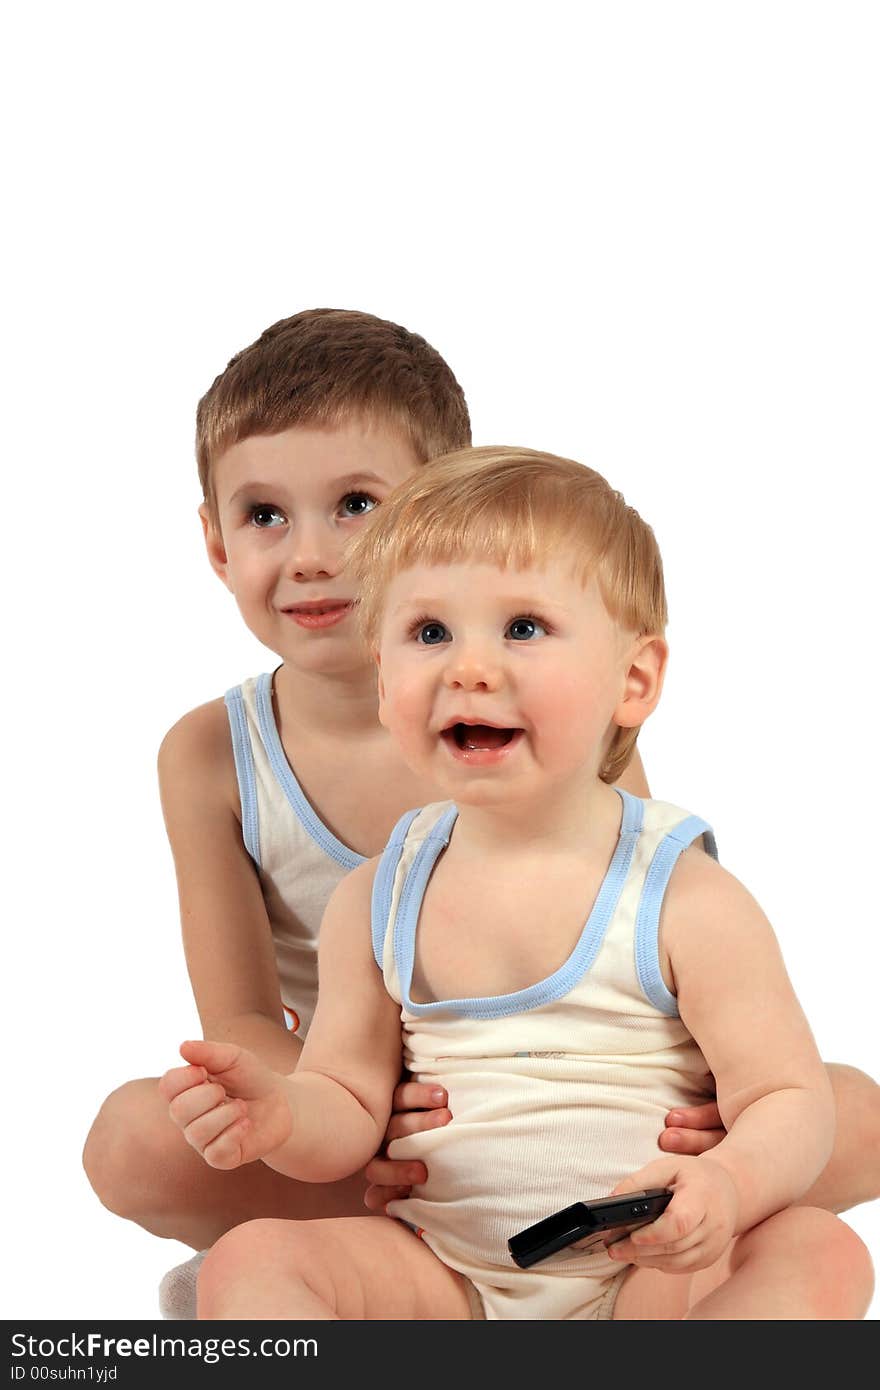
x=555, y=986
x=383, y=883
x=310, y=822
x=647, y=928
x=244, y=771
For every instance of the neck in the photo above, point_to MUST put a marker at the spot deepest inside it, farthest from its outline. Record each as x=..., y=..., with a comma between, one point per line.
x=566, y=820
x=338, y=703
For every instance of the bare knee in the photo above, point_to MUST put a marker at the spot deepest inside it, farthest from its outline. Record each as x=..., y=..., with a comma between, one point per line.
x=249, y=1250
x=857, y=1097
x=124, y=1151
x=824, y=1256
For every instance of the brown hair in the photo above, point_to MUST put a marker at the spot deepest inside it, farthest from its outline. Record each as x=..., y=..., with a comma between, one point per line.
x=516, y=508
x=321, y=366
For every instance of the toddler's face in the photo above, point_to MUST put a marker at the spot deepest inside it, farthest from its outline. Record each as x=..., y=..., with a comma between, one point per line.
x=287, y=505
x=498, y=683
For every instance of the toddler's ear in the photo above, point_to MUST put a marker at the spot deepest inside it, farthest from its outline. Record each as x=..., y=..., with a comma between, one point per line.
x=214, y=544
x=646, y=668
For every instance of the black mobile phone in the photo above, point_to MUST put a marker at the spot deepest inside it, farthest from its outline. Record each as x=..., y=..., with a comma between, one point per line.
x=585, y=1225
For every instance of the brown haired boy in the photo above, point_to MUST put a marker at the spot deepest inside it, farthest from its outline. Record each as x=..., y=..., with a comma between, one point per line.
x=275, y=793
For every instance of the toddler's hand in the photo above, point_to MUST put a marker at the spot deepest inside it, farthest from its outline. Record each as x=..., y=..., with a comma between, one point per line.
x=695, y=1228
x=231, y=1107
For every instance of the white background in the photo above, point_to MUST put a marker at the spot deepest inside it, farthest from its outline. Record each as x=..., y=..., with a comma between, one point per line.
x=644, y=235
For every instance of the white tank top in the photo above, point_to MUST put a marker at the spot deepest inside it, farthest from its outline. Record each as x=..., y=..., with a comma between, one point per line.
x=559, y=1090
x=298, y=859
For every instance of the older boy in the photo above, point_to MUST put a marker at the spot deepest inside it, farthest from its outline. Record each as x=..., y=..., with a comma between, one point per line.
x=271, y=796
x=515, y=606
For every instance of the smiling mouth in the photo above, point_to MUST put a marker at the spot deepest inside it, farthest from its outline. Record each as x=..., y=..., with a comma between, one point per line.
x=470, y=737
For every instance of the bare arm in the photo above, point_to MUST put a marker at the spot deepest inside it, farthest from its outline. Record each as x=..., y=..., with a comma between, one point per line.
x=736, y=999
x=226, y=933
x=323, y=1122
x=341, y=1093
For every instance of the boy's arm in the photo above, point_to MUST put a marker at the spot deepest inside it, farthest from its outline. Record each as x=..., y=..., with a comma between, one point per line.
x=736, y=999
x=226, y=933
x=326, y=1120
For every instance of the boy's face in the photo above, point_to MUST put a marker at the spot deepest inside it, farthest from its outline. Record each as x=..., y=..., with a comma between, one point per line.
x=500, y=683
x=287, y=505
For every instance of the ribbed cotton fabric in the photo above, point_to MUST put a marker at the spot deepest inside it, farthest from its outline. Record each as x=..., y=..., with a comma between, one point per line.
x=557, y=1092
x=298, y=859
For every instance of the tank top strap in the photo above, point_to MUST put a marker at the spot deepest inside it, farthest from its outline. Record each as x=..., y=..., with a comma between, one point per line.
x=403, y=872
x=647, y=924
x=236, y=701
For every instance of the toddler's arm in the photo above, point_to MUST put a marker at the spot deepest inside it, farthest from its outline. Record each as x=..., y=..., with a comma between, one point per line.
x=325, y=1121
x=774, y=1096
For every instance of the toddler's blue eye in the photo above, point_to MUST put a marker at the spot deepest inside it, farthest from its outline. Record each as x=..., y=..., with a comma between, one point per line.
x=358, y=504
x=265, y=516
x=522, y=629
x=431, y=634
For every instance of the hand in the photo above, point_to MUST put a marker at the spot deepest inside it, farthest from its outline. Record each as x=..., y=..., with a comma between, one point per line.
x=414, y=1108
x=231, y=1107
x=692, y=1130
x=696, y=1227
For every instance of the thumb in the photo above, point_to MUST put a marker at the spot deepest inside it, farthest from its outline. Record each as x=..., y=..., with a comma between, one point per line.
x=661, y=1172
x=240, y=1072
x=213, y=1056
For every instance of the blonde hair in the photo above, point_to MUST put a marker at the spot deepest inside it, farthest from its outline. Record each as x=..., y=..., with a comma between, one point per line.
x=321, y=367
x=516, y=508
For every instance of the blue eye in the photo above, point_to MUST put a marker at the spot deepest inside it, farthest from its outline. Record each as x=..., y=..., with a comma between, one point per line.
x=358, y=503
x=523, y=629
x=432, y=634
x=265, y=516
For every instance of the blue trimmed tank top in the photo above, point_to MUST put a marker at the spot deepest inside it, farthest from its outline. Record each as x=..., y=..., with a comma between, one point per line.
x=557, y=1091
x=299, y=861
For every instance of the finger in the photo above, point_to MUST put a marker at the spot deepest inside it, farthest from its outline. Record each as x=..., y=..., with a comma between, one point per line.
x=643, y=1241
x=690, y=1141
x=683, y=1263
x=377, y=1198
x=705, y=1116
x=395, y=1172
x=684, y=1214
x=417, y=1095
x=215, y=1057
x=227, y=1150
x=180, y=1079
x=198, y=1100
x=203, y=1131
x=662, y=1172
x=415, y=1122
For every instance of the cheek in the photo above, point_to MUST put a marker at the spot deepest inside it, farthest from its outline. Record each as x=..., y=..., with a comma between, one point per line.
x=405, y=707
x=570, y=708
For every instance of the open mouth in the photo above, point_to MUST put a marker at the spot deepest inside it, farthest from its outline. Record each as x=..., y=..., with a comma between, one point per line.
x=479, y=737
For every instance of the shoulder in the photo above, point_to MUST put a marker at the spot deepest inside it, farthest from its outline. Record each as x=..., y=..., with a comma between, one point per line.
x=709, y=914
x=357, y=887
x=197, y=753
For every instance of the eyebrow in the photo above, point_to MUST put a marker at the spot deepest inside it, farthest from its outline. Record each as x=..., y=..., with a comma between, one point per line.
x=515, y=601
x=347, y=483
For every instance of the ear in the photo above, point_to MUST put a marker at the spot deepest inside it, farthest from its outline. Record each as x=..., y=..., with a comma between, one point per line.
x=645, y=670
x=214, y=545
x=380, y=684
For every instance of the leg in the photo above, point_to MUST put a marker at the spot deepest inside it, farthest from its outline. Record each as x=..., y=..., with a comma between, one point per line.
x=852, y=1174
x=142, y=1168
x=352, y=1270
x=799, y=1265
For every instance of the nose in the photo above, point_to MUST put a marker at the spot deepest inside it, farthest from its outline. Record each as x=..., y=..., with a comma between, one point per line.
x=473, y=667
x=311, y=553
